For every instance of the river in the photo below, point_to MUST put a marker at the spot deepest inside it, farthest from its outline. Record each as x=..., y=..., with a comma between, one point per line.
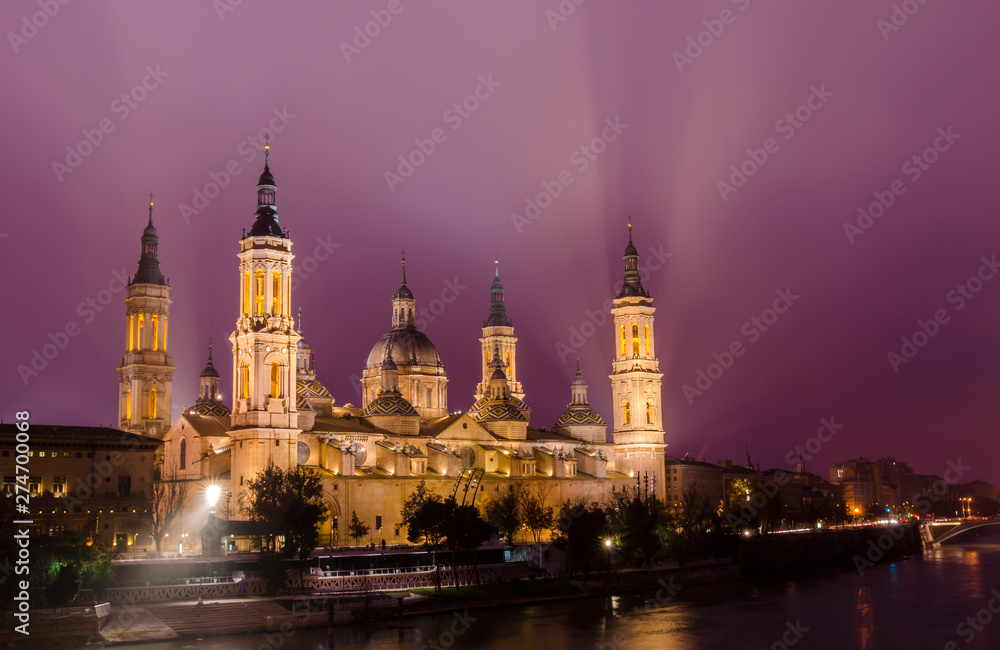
x=921, y=602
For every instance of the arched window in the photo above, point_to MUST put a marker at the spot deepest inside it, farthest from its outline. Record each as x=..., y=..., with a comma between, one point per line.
x=258, y=308
x=647, y=338
x=649, y=411
x=635, y=340
x=246, y=293
x=155, y=322
x=131, y=332
x=628, y=413
x=245, y=381
x=275, y=380
x=508, y=364
x=152, y=403
x=623, y=340
x=183, y=459
x=276, y=292
x=128, y=404
x=139, y=330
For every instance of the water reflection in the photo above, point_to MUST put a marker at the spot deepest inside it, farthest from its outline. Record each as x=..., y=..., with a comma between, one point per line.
x=916, y=603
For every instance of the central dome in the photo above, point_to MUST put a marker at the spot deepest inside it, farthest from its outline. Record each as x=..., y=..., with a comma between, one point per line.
x=410, y=347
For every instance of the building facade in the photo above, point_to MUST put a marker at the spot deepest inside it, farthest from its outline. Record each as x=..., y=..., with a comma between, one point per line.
x=371, y=457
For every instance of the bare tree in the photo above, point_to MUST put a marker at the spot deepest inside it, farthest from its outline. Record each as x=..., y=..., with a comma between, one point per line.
x=162, y=505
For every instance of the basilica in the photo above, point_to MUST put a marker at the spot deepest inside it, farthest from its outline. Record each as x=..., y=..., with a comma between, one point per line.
x=371, y=457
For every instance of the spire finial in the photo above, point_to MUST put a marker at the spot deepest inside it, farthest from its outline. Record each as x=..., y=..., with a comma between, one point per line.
x=298, y=321
x=210, y=349
x=403, y=255
x=267, y=151
x=150, y=207
x=630, y=229
x=578, y=365
x=496, y=264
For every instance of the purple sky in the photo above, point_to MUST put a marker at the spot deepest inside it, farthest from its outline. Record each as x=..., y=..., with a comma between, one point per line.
x=552, y=87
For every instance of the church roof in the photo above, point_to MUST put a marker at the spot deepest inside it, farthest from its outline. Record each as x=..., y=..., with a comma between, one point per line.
x=410, y=347
x=390, y=404
x=211, y=408
x=208, y=425
x=486, y=410
x=310, y=388
x=581, y=417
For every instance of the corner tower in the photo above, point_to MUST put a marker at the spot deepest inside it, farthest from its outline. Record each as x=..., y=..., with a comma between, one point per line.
x=498, y=335
x=265, y=345
x=635, y=380
x=145, y=376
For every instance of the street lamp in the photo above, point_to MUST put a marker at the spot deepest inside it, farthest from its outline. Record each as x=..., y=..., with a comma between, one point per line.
x=212, y=494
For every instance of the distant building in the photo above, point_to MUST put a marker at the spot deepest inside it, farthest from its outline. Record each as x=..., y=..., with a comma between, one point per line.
x=862, y=484
x=698, y=477
x=89, y=479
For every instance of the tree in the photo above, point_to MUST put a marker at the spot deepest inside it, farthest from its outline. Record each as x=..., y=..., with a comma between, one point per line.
x=288, y=505
x=429, y=525
x=162, y=505
x=503, y=511
x=467, y=531
x=582, y=532
x=534, y=513
x=357, y=529
x=414, y=501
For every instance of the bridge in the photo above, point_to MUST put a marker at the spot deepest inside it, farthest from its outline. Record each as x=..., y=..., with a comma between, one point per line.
x=933, y=533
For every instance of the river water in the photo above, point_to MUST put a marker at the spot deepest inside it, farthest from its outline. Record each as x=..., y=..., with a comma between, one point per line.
x=921, y=602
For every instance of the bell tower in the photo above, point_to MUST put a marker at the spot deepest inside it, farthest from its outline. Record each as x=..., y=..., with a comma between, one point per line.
x=145, y=376
x=498, y=336
x=635, y=380
x=265, y=345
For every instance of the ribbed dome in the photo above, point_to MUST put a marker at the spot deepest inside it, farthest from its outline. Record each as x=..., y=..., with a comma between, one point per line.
x=410, y=347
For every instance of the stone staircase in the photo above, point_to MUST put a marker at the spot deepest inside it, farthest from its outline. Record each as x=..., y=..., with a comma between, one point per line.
x=217, y=617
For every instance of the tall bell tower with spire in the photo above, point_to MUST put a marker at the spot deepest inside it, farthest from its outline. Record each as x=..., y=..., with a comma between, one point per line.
x=635, y=380
x=145, y=376
x=498, y=336
x=265, y=345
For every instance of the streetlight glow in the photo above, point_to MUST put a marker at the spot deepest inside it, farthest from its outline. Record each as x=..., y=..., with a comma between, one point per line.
x=212, y=493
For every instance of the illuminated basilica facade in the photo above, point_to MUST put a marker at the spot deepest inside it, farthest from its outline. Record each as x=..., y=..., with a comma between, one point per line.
x=371, y=457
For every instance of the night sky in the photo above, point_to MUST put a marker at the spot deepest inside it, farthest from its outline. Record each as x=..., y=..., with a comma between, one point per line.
x=607, y=110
